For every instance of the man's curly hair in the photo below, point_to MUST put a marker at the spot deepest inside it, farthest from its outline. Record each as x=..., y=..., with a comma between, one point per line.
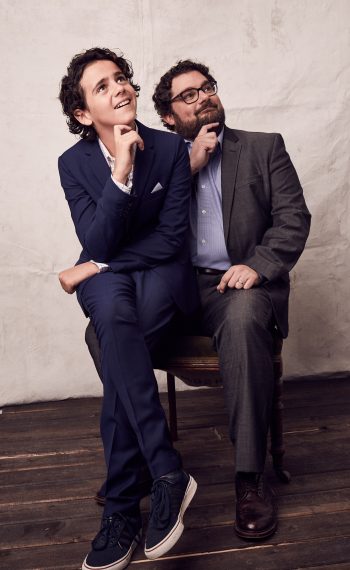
x=162, y=93
x=71, y=93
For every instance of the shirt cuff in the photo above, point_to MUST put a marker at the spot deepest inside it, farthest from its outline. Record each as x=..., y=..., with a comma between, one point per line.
x=101, y=266
x=123, y=187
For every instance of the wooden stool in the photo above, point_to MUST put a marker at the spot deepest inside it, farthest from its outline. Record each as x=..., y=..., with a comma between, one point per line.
x=195, y=362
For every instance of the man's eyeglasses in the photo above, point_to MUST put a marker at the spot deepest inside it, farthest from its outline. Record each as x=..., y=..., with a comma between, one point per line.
x=191, y=95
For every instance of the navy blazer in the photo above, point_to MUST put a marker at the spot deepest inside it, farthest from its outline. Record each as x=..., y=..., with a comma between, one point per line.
x=142, y=230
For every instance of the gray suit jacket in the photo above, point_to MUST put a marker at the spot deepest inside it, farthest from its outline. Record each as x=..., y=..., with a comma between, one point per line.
x=266, y=221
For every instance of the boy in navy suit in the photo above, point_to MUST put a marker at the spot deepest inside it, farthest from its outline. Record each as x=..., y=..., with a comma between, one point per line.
x=128, y=189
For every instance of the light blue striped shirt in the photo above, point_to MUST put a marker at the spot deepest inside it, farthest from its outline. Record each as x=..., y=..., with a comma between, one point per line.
x=208, y=246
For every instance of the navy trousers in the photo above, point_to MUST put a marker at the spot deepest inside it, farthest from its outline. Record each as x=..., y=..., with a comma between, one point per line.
x=130, y=314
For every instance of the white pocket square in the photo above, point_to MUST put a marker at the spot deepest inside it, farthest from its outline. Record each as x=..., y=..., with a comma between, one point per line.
x=157, y=187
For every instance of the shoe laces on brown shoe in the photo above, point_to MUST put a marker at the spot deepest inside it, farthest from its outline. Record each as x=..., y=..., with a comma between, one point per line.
x=247, y=483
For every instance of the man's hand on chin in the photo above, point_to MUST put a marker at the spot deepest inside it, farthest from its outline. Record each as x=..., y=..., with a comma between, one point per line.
x=70, y=278
x=239, y=277
x=203, y=146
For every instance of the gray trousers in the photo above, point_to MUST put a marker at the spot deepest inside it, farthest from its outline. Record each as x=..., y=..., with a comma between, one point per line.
x=240, y=323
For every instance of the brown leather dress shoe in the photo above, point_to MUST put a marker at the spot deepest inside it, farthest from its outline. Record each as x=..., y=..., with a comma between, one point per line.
x=256, y=513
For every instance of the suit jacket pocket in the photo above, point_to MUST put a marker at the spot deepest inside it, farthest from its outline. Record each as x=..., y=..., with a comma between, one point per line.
x=252, y=180
x=254, y=196
x=150, y=196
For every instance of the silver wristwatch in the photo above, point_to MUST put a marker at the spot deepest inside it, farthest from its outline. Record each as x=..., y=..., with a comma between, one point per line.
x=102, y=267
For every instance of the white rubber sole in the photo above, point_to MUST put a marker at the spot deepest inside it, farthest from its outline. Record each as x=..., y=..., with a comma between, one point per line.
x=120, y=564
x=173, y=536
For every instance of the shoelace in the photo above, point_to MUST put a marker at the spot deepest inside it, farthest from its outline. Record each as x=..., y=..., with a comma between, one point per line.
x=252, y=486
x=111, y=529
x=161, y=510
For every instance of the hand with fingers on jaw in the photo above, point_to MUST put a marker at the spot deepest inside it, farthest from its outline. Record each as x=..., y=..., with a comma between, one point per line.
x=239, y=277
x=125, y=141
x=203, y=146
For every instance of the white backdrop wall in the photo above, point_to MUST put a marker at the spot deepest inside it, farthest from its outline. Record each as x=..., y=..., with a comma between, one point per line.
x=281, y=65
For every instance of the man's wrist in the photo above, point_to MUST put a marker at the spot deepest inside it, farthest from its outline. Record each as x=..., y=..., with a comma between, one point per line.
x=198, y=164
x=194, y=169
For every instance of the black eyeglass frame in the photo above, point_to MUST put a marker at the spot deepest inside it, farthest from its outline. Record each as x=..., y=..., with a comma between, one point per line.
x=198, y=89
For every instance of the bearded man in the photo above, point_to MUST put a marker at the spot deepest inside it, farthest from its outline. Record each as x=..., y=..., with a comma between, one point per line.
x=249, y=225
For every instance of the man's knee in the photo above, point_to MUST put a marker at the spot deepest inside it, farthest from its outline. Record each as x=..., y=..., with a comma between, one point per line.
x=248, y=312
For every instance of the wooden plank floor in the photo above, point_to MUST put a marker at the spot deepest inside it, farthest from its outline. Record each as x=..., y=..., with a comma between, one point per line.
x=51, y=465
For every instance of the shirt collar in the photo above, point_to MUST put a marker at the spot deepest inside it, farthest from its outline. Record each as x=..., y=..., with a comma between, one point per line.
x=221, y=136
x=105, y=152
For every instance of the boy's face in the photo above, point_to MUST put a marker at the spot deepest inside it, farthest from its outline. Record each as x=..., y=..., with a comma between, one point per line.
x=110, y=99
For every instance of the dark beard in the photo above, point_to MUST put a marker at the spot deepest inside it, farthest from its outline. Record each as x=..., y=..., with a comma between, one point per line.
x=190, y=129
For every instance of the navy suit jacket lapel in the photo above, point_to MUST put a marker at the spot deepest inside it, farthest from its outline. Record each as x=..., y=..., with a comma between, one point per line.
x=143, y=159
x=231, y=150
x=96, y=165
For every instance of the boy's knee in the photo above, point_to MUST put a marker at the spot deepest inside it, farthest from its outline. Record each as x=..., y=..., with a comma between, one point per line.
x=112, y=313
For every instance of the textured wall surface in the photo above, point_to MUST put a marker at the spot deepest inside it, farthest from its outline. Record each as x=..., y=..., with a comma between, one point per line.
x=281, y=65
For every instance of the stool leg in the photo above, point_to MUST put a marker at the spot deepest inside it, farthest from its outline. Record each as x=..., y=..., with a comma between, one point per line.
x=172, y=406
x=276, y=429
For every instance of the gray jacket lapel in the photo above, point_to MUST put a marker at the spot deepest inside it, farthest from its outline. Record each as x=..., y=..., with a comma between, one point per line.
x=231, y=150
